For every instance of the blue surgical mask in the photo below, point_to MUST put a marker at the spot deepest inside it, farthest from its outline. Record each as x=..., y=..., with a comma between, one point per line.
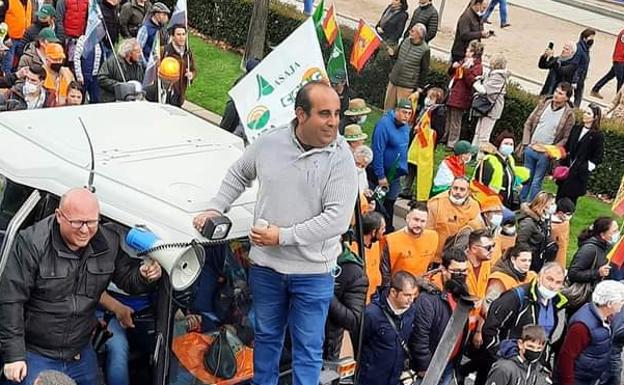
x=506, y=149
x=496, y=220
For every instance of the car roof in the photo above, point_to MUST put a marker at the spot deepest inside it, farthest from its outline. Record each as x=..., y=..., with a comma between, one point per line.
x=155, y=165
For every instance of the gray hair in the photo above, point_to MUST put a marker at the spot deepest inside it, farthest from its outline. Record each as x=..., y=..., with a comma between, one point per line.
x=363, y=151
x=126, y=46
x=498, y=62
x=550, y=266
x=608, y=291
x=422, y=29
x=53, y=377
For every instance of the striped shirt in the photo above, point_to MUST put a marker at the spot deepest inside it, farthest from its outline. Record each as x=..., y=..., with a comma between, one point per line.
x=309, y=195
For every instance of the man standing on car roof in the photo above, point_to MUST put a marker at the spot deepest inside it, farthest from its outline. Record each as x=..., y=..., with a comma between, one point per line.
x=56, y=272
x=307, y=190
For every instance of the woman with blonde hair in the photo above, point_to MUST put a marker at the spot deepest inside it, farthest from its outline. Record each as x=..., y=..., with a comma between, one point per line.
x=494, y=86
x=534, y=229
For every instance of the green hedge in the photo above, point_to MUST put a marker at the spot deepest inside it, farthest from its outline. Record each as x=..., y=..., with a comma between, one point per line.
x=228, y=22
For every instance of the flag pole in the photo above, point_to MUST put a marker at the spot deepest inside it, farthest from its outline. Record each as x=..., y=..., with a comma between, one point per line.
x=110, y=41
x=188, y=49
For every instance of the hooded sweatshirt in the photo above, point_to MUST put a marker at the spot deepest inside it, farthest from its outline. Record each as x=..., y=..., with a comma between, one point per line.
x=511, y=369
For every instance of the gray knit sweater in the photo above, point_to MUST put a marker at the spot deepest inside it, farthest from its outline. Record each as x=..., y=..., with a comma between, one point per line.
x=309, y=195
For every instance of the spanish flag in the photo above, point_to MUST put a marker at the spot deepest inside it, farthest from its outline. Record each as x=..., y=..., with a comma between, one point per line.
x=618, y=202
x=480, y=191
x=365, y=43
x=421, y=154
x=330, y=26
x=616, y=255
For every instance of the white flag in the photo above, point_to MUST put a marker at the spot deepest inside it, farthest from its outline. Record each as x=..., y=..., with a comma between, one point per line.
x=265, y=97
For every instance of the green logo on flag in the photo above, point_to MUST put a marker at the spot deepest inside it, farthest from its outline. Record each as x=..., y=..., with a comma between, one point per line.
x=258, y=118
x=264, y=87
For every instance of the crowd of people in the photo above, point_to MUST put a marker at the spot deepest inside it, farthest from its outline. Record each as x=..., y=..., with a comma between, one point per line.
x=49, y=61
x=491, y=237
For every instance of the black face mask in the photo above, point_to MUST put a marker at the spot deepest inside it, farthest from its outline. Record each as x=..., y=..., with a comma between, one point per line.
x=43, y=24
x=456, y=285
x=56, y=67
x=532, y=356
x=589, y=43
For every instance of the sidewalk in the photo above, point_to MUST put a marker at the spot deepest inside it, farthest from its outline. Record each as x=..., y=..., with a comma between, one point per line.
x=534, y=24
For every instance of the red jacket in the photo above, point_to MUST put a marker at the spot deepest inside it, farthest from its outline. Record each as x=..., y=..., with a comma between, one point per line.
x=460, y=95
x=618, y=51
x=75, y=21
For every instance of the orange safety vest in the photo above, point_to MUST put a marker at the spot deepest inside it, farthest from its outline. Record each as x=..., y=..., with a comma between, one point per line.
x=478, y=285
x=373, y=267
x=409, y=253
x=58, y=84
x=18, y=18
x=510, y=282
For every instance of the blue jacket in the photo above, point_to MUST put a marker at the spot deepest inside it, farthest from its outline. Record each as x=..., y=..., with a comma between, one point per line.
x=433, y=312
x=152, y=30
x=390, y=141
x=382, y=356
x=594, y=360
x=613, y=375
x=582, y=58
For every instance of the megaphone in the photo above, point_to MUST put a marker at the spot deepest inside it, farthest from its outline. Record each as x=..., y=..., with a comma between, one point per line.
x=181, y=263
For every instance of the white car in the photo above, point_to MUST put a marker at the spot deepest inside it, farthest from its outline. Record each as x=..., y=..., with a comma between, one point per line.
x=151, y=165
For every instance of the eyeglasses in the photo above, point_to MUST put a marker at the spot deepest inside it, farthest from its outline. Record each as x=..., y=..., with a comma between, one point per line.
x=487, y=248
x=78, y=223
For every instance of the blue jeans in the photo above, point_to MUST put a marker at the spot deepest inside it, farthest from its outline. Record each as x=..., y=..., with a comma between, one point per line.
x=7, y=65
x=537, y=163
x=299, y=301
x=92, y=88
x=117, y=352
x=502, y=9
x=446, y=378
x=83, y=371
x=617, y=72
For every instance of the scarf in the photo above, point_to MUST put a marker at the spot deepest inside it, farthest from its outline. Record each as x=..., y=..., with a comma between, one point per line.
x=456, y=165
x=388, y=14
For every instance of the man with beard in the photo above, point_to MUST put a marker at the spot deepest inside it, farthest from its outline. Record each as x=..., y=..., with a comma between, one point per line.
x=432, y=313
x=411, y=248
x=538, y=302
x=450, y=211
x=155, y=24
x=388, y=323
x=127, y=66
x=479, y=253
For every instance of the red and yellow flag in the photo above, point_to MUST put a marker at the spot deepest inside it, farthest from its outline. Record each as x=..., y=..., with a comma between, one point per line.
x=480, y=191
x=365, y=43
x=616, y=255
x=618, y=202
x=330, y=26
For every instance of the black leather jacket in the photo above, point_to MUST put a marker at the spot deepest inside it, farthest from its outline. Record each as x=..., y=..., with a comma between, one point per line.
x=49, y=293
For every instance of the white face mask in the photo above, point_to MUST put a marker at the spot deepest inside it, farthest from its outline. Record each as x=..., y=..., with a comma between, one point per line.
x=496, y=220
x=506, y=149
x=457, y=201
x=362, y=119
x=551, y=209
x=30, y=88
x=428, y=102
x=614, y=238
x=546, y=293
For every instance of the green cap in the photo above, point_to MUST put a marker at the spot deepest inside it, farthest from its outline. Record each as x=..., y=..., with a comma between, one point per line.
x=46, y=10
x=464, y=147
x=404, y=103
x=48, y=34
x=338, y=77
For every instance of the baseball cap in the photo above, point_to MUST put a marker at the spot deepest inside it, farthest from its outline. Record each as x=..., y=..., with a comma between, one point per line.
x=464, y=147
x=160, y=7
x=54, y=51
x=48, y=34
x=46, y=10
x=404, y=103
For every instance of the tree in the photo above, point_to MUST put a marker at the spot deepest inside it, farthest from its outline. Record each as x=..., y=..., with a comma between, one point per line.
x=256, y=35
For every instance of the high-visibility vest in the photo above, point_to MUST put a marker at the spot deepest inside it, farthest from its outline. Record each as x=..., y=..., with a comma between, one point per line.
x=411, y=254
x=510, y=282
x=18, y=18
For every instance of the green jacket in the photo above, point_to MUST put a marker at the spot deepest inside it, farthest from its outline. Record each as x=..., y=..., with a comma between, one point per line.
x=412, y=65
